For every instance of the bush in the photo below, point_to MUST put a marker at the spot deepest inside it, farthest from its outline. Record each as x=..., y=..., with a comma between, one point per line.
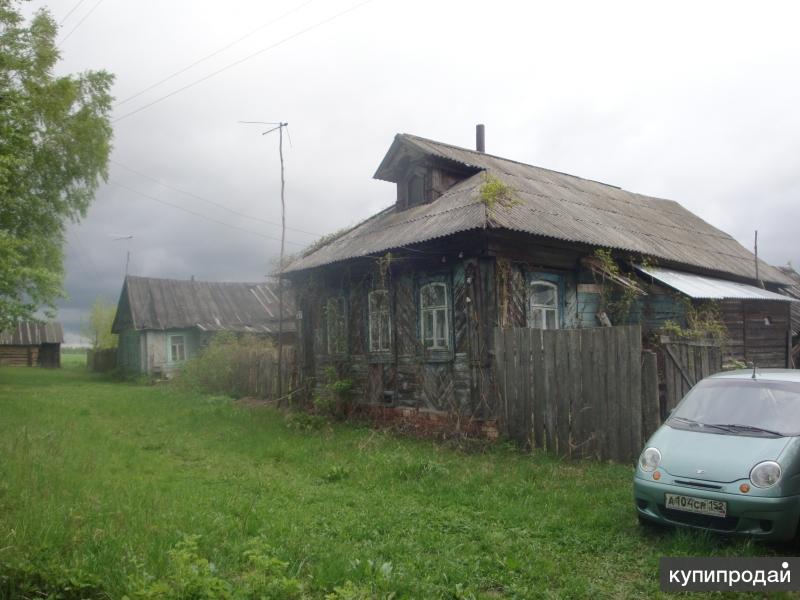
x=334, y=399
x=234, y=366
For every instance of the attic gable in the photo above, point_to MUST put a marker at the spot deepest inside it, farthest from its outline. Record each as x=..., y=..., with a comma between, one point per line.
x=420, y=177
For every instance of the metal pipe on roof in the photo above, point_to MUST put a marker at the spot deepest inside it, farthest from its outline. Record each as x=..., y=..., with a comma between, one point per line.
x=480, y=137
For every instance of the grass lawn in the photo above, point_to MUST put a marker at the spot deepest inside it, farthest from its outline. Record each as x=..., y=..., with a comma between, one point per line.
x=109, y=489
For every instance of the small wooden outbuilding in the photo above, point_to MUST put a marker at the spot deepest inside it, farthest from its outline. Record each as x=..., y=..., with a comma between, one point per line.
x=31, y=344
x=163, y=322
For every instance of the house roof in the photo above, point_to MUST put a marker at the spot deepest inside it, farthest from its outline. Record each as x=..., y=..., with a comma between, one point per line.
x=28, y=333
x=550, y=205
x=210, y=306
x=701, y=287
x=794, y=292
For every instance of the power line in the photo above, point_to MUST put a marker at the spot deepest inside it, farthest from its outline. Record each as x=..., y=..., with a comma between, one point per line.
x=213, y=54
x=212, y=202
x=241, y=60
x=71, y=10
x=86, y=16
x=200, y=215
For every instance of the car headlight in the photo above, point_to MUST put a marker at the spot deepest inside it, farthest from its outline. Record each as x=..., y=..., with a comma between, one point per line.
x=765, y=474
x=650, y=459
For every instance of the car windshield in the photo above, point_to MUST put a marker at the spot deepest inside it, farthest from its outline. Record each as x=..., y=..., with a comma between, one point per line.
x=741, y=407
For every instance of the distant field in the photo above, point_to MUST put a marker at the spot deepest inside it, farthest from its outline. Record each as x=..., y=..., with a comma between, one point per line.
x=103, y=486
x=73, y=359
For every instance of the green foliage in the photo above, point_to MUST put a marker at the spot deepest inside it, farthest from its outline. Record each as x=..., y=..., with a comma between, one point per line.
x=414, y=470
x=703, y=321
x=192, y=577
x=216, y=368
x=376, y=577
x=55, y=140
x=336, y=473
x=334, y=398
x=303, y=421
x=29, y=580
x=616, y=299
x=98, y=329
x=324, y=241
x=495, y=192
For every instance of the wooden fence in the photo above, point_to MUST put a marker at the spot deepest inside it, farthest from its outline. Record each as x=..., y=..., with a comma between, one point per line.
x=682, y=365
x=255, y=373
x=577, y=392
x=101, y=361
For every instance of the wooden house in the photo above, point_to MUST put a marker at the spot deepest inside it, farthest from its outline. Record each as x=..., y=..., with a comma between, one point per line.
x=163, y=322
x=405, y=303
x=31, y=344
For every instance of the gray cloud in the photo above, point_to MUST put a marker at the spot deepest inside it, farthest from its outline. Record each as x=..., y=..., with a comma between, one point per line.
x=696, y=103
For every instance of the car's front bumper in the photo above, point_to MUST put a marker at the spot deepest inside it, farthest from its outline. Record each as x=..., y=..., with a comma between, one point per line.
x=759, y=516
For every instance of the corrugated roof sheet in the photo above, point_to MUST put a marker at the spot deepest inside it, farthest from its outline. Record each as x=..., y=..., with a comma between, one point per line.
x=709, y=288
x=210, y=306
x=28, y=333
x=552, y=205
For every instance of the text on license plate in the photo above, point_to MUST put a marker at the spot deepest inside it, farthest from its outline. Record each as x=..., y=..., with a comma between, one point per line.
x=703, y=506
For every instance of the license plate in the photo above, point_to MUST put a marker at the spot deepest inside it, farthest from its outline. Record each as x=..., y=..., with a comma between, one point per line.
x=703, y=506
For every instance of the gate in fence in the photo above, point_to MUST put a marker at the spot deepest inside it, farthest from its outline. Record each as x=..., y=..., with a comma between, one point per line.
x=577, y=392
x=683, y=364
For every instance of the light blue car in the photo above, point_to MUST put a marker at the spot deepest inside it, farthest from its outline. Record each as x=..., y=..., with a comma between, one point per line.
x=728, y=457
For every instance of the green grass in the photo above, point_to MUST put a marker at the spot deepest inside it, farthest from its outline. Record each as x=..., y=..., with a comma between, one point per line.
x=73, y=359
x=101, y=481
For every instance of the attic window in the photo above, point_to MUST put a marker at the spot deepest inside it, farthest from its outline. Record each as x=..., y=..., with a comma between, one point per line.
x=416, y=190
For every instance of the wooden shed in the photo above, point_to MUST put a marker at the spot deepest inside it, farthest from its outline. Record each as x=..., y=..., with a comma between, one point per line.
x=32, y=344
x=406, y=302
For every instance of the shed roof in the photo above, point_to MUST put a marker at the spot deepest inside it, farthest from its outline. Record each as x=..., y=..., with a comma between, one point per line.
x=210, y=306
x=710, y=288
x=551, y=205
x=28, y=333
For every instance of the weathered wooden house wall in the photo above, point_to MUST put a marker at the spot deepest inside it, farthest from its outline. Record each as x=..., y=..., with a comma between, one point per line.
x=408, y=375
x=758, y=331
x=148, y=351
x=30, y=344
x=487, y=290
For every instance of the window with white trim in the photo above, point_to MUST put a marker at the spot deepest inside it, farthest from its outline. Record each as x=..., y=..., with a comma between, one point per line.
x=434, y=316
x=543, y=305
x=336, y=317
x=380, y=324
x=177, y=348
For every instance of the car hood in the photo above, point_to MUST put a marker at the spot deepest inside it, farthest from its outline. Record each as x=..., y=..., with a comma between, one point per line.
x=713, y=457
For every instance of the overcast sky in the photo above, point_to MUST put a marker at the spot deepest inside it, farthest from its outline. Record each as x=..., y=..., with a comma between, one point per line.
x=692, y=101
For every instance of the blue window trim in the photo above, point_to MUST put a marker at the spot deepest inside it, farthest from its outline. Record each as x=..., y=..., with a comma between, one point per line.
x=436, y=355
x=559, y=280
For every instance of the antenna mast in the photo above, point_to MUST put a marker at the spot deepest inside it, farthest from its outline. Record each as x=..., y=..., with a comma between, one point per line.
x=279, y=126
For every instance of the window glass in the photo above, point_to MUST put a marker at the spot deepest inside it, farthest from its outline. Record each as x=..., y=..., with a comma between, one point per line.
x=435, y=316
x=379, y=321
x=337, y=325
x=543, y=309
x=177, y=348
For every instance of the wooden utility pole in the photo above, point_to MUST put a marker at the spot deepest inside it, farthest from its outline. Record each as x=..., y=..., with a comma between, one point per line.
x=280, y=265
x=279, y=126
